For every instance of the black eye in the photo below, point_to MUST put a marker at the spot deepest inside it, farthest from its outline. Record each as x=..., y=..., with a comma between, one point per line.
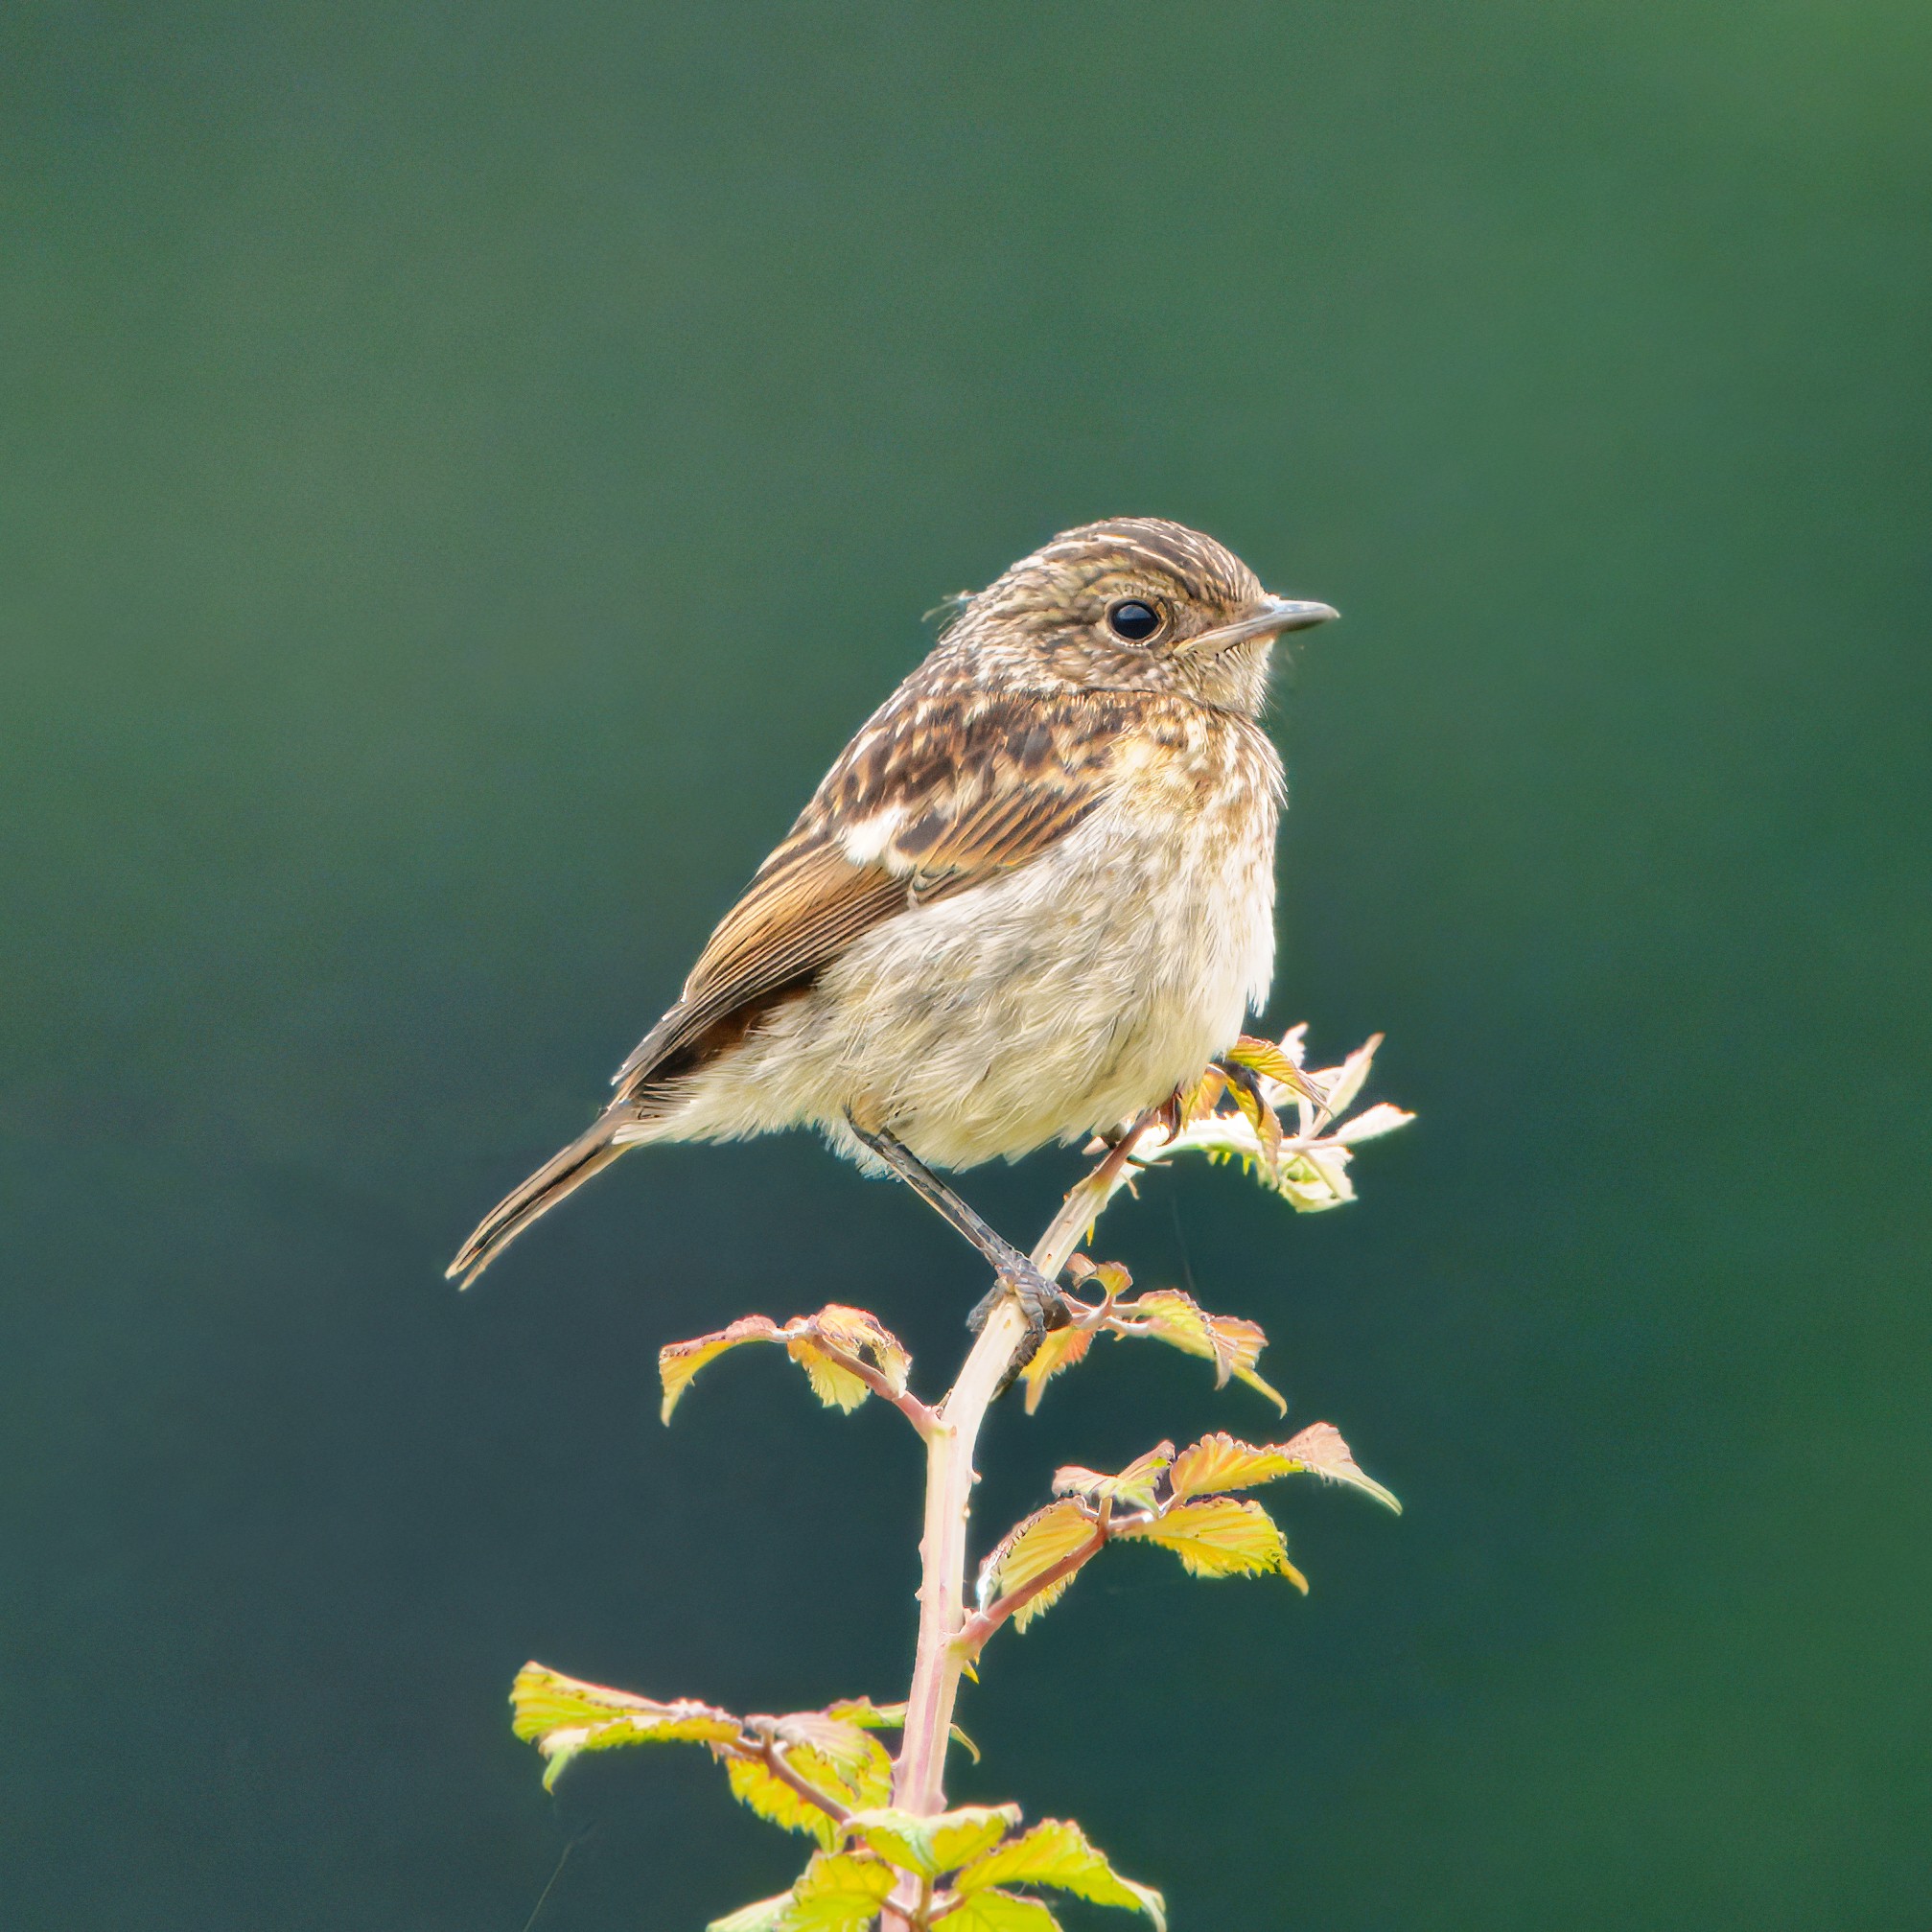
x=1134, y=620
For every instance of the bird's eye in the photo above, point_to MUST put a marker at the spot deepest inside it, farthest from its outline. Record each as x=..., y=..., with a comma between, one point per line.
x=1134, y=619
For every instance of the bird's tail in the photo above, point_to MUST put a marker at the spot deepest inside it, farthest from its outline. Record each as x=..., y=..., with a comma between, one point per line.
x=544, y=1190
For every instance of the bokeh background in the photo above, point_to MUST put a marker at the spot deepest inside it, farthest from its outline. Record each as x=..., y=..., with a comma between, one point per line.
x=467, y=469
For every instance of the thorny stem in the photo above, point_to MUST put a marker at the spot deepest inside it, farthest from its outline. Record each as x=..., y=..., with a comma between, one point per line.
x=919, y=1784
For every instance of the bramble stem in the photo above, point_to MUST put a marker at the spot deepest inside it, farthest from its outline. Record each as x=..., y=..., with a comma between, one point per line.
x=918, y=1784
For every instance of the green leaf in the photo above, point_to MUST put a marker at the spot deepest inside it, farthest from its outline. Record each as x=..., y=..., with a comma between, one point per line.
x=839, y=1892
x=762, y=1915
x=856, y=1333
x=1311, y=1173
x=1200, y=1099
x=565, y=1715
x=807, y=1337
x=1371, y=1123
x=1028, y=1550
x=1267, y=1058
x=999, y=1912
x=1233, y=1345
x=930, y=1846
x=1219, y=1536
x=1057, y=1852
x=850, y=1751
x=1258, y=1110
x=1320, y=1450
x=1338, y=1094
x=1134, y=1486
x=867, y=1715
x=1059, y=1348
x=679, y=1360
x=753, y=1784
x=1218, y=1463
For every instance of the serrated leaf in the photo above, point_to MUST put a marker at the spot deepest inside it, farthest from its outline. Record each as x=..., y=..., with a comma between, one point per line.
x=858, y=1333
x=931, y=1846
x=1338, y=1093
x=1320, y=1450
x=679, y=1360
x=1202, y=1096
x=1219, y=1536
x=1258, y=1110
x=1232, y=1344
x=755, y=1786
x=1372, y=1121
x=762, y=1915
x=999, y=1912
x=867, y=1715
x=1271, y=1062
x=1218, y=1463
x=1057, y=1852
x=563, y=1716
x=850, y=1330
x=834, y=1386
x=1028, y=1550
x=1059, y=1348
x=856, y=1756
x=1315, y=1180
x=1135, y=1485
x=839, y=1892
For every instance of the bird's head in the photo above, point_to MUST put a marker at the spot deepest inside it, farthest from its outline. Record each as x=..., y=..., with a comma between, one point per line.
x=1135, y=603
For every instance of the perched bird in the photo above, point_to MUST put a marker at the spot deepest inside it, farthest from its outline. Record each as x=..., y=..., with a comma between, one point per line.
x=1034, y=896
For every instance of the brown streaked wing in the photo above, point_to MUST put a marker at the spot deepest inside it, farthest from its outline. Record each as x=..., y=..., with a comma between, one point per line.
x=979, y=785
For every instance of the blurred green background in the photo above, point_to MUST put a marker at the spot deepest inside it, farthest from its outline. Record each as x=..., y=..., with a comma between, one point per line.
x=468, y=467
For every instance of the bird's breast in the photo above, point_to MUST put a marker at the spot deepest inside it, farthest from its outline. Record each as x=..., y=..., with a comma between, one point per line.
x=1087, y=983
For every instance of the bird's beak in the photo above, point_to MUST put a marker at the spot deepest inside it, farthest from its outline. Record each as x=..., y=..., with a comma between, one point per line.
x=1268, y=618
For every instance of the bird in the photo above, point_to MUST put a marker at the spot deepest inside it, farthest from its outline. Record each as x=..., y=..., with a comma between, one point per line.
x=1031, y=898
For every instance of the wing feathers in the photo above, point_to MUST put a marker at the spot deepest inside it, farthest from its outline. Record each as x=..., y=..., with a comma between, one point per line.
x=950, y=792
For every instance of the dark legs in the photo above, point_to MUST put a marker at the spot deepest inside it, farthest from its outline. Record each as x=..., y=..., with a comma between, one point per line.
x=1042, y=1302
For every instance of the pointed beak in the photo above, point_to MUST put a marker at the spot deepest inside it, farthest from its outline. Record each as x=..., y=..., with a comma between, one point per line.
x=1268, y=618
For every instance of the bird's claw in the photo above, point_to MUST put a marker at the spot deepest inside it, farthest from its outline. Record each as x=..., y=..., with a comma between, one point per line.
x=1040, y=1302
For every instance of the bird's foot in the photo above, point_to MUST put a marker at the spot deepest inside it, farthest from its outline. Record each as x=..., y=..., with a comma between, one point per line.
x=1043, y=1304
x=1040, y=1302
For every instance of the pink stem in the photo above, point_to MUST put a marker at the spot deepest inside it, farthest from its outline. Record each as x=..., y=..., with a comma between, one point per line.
x=919, y=1784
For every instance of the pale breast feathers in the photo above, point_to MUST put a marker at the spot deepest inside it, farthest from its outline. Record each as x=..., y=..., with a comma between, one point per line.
x=935, y=794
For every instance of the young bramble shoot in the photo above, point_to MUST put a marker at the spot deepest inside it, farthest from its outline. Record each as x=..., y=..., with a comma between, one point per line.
x=1308, y=1168
x=1179, y=1503
x=889, y=1853
x=846, y=1354
x=1166, y=1314
x=960, y=1862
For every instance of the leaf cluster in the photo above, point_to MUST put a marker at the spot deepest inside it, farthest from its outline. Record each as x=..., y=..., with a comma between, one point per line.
x=805, y=1771
x=825, y=1773
x=1232, y=1343
x=1181, y=1503
x=970, y=1869
x=845, y=1352
x=1234, y=1113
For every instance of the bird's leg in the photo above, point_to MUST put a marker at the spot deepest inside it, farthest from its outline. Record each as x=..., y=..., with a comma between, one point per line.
x=1041, y=1302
